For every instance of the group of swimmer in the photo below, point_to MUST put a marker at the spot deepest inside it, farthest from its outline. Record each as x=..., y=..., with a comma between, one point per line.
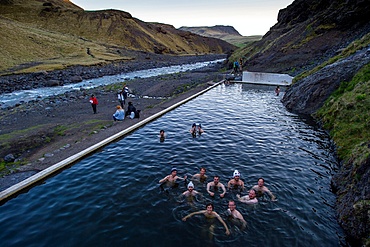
x=196, y=128
x=215, y=186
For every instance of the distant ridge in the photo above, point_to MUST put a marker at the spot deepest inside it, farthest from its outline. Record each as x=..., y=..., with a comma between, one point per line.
x=226, y=33
x=217, y=31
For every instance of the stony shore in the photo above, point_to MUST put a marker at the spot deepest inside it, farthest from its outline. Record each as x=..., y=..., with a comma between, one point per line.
x=41, y=133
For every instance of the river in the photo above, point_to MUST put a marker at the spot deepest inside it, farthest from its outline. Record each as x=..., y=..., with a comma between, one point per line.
x=11, y=99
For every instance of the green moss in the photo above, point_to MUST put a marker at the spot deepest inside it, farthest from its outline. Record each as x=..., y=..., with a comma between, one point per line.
x=2, y=165
x=7, y=167
x=360, y=97
x=346, y=113
x=349, y=50
x=114, y=87
x=6, y=137
x=60, y=130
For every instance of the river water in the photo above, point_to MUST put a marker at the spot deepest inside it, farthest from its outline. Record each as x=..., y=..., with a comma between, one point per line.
x=10, y=99
x=113, y=198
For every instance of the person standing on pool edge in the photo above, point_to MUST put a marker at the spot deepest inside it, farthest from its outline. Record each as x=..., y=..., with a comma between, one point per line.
x=94, y=103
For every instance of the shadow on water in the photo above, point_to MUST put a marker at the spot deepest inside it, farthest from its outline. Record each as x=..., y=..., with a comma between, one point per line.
x=113, y=198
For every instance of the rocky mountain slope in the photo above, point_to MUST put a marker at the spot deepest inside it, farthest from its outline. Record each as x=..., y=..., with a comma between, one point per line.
x=59, y=33
x=307, y=34
x=326, y=45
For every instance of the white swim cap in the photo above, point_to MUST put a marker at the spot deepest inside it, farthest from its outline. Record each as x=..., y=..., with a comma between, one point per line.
x=190, y=184
x=236, y=173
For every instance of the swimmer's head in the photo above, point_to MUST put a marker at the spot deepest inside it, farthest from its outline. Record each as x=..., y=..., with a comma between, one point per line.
x=202, y=171
x=252, y=194
x=236, y=174
x=261, y=182
x=190, y=185
x=173, y=169
x=210, y=206
x=194, y=125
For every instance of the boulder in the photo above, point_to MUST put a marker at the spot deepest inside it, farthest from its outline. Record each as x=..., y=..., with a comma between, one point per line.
x=9, y=158
x=76, y=78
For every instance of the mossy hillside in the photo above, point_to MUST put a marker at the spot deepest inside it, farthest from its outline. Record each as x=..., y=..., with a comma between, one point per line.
x=349, y=50
x=243, y=41
x=347, y=115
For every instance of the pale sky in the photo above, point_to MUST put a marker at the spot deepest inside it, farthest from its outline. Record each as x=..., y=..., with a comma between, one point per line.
x=248, y=17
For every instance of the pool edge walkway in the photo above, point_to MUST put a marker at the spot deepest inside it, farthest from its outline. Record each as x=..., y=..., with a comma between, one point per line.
x=28, y=182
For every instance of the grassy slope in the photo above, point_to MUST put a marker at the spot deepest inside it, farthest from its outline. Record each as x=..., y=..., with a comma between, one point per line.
x=242, y=41
x=59, y=35
x=27, y=45
x=347, y=114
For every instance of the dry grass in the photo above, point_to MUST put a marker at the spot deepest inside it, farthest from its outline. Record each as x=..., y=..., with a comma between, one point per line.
x=49, y=50
x=58, y=35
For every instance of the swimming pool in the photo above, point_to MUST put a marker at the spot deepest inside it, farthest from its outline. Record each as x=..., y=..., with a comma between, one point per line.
x=112, y=198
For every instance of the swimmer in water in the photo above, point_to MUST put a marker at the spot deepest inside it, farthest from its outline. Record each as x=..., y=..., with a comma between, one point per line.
x=199, y=129
x=190, y=191
x=236, y=182
x=215, y=185
x=260, y=188
x=193, y=130
x=209, y=214
x=171, y=179
x=201, y=176
x=162, y=136
x=196, y=128
x=277, y=90
x=235, y=214
x=248, y=199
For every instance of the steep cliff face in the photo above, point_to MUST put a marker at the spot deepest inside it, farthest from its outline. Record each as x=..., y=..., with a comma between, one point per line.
x=309, y=94
x=308, y=33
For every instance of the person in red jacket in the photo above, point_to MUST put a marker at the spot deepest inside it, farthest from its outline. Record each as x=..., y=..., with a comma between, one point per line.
x=94, y=102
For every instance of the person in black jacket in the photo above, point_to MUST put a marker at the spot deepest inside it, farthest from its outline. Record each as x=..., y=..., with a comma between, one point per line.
x=132, y=112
